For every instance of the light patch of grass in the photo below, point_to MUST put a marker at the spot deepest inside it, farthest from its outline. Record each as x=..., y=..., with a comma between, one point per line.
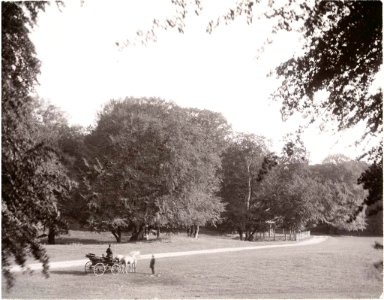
x=69, y=250
x=341, y=267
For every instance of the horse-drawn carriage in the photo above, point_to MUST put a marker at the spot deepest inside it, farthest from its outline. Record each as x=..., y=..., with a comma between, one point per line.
x=99, y=265
x=121, y=263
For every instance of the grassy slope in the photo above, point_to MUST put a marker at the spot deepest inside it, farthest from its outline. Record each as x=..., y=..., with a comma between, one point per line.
x=338, y=268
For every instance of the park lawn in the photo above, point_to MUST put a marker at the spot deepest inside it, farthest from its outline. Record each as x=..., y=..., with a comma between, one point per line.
x=341, y=267
x=76, y=244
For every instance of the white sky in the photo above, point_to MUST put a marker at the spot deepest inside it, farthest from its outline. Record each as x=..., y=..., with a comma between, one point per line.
x=82, y=68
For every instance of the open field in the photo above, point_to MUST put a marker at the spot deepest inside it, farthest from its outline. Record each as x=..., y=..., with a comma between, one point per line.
x=75, y=245
x=341, y=267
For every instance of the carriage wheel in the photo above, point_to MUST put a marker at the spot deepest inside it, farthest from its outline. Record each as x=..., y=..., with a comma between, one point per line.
x=88, y=267
x=115, y=269
x=99, y=269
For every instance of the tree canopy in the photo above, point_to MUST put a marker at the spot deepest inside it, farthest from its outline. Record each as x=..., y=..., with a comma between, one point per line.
x=33, y=179
x=342, y=55
x=153, y=163
x=245, y=162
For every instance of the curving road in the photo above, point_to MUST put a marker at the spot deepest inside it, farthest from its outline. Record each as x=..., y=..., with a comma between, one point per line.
x=81, y=262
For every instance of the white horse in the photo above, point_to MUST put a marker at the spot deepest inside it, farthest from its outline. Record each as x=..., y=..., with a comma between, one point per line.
x=128, y=262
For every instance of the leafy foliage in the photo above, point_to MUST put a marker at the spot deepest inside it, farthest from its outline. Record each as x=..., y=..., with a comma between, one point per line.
x=341, y=194
x=342, y=55
x=33, y=180
x=372, y=181
x=245, y=163
x=152, y=163
x=53, y=130
x=300, y=196
x=289, y=193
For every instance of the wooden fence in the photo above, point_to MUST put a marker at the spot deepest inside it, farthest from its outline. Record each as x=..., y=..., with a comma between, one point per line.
x=282, y=235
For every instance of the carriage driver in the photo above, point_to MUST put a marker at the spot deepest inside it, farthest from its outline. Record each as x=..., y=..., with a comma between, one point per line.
x=109, y=253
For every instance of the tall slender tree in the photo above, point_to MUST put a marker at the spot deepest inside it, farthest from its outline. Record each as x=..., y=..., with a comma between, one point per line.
x=245, y=163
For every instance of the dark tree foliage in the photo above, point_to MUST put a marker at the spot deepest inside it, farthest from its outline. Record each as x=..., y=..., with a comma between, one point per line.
x=343, y=53
x=20, y=65
x=150, y=163
x=372, y=180
x=32, y=177
x=245, y=162
x=67, y=142
x=341, y=193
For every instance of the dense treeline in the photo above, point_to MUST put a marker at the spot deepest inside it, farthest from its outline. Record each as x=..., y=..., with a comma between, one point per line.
x=150, y=165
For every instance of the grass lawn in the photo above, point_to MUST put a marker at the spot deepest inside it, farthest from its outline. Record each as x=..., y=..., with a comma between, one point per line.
x=341, y=267
x=78, y=243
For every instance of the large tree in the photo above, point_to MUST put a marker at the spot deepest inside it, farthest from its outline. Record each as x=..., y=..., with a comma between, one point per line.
x=33, y=179
x=288, y=189
x=126, y=156
x=151, y=164
x=245, y=163
x=340, y=194
x=199, y=144
x=67, y=142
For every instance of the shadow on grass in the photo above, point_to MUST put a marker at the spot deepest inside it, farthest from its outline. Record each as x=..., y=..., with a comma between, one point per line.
x=107, y=273
x=82, y=241
x=66, y=241
x=71, y=272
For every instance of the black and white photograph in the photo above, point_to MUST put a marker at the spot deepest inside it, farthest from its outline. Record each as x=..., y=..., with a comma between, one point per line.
x=192, y=149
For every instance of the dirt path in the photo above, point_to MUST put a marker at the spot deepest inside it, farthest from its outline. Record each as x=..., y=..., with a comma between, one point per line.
x=81, y=262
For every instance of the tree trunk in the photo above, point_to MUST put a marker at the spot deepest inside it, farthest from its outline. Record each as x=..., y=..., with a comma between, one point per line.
x=138, y=234
x=248, y=200
x=249, y=186
x=196, y=231
x=240, y=234
x=51, y=236
x=250, y=237
x=158, y=232
x=117, y=234
x=193, y=230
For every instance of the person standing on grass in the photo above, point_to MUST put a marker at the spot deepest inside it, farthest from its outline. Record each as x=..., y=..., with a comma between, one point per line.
x=109, y=252
x=152, y=264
